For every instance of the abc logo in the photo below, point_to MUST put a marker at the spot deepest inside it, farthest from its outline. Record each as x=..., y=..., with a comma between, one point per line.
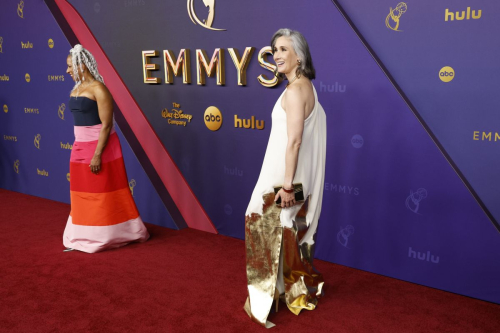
x=27, y=77
x=213, y=118
x=51, y=43
x=446, y=74
x=357, y=141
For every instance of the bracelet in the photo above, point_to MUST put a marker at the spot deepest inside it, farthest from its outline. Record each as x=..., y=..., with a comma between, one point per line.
x=288, y=191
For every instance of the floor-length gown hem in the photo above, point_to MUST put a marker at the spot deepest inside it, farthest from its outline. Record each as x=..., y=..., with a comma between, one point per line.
x=274, y=235
x=103, y=212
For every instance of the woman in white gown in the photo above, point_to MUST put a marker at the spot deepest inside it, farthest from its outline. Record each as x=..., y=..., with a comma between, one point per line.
x=280, y=239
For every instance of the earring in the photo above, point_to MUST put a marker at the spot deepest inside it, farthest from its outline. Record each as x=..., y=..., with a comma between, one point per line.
x=299, y=62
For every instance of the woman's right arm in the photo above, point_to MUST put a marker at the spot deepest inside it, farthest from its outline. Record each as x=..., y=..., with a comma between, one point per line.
x=295, y=108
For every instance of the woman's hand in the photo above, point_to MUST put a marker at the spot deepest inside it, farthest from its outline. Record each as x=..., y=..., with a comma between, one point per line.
x=287, y=199
x=95, y=164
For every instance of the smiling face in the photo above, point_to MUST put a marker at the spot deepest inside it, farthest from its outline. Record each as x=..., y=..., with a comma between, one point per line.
x=284, y=55
x=69, y=70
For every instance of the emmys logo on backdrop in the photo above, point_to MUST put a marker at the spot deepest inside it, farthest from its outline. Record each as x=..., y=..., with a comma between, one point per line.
x=392, y=19
x=463, y=15
x=1, y=42
x=68, y=177
x=55, y=77
x=5, y=108
x=60, y=111
x=27, y=77
x=31, y=110
x=344, y=234
x=251, y=123
x=26, y=45
x=20, y=8
x=131, y=185
x=345, y=189
x=207, y=24
x=51, y=43
x=10, y=138
x=16, y=166
x=176, y=117
x=446, y=74
x=37, y=141
x=207, y=67
x=424, y=256
x=213, y=118
x=42, y=172
x=413, y=200
x=4, y=78
x=486, y=136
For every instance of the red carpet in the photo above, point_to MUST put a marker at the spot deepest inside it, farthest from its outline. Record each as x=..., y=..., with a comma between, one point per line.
x=190, y=281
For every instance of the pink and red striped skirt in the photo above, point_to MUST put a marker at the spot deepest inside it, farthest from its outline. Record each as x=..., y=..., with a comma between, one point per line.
x=103, y=212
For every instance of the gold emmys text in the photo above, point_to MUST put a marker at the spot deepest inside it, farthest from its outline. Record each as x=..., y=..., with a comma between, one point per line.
x=10, y=138
x=206, y=67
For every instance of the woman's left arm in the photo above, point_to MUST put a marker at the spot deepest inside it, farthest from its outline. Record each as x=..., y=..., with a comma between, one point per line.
x=295, y=104
x=105, y=107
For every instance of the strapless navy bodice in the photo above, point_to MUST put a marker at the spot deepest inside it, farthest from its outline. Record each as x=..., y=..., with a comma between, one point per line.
x=84, y=111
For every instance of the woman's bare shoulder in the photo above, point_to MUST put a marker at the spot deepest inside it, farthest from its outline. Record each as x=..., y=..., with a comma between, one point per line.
x=100, y=90
x=99, y=87
x=300, y=89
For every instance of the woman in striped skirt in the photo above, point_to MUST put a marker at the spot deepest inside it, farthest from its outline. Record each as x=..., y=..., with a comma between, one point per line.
x=103, y=213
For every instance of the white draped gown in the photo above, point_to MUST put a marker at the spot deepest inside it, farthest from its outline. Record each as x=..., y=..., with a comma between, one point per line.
x=280, y=242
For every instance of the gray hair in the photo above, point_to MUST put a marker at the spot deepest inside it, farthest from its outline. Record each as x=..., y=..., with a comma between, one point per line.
x=79, y=57
x=300, y=47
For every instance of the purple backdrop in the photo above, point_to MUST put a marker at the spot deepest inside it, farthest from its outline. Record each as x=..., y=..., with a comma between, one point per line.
x=393, y=204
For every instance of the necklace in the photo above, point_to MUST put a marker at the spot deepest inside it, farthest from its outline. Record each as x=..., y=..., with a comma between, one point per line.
x=88, y=83
x=290, y=82
x=80, y=86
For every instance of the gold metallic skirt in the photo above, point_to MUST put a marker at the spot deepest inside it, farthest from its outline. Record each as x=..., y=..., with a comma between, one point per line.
x=264, y=239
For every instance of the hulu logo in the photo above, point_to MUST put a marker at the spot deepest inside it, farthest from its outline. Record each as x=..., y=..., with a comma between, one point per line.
x=462, y=15
x=424, y=256
x=248, y=123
